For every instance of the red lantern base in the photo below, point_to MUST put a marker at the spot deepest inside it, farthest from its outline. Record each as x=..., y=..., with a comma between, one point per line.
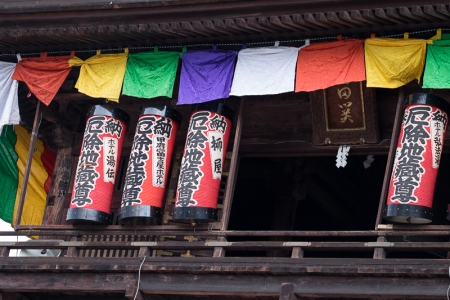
x=195, y=214
x=87, y=216
x=407, y=213
x=140, y=215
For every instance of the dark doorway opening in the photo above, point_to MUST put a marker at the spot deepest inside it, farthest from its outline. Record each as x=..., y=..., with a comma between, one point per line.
x=312, y=194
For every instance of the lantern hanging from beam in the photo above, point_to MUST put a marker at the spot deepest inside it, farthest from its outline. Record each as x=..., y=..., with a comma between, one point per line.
x=97, y=166
x=149, y=164
x=416, y=164
x=202, y=163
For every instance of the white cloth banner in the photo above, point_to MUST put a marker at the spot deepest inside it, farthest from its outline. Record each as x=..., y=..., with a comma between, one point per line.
x=9, y=104
x=265, y=71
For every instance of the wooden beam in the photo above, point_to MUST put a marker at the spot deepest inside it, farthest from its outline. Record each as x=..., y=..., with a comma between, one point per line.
x=232, y=285
x=132, y=292
x=54, y=282
x=391, y=155
x=384, y=230
x=305, y=286
x=287, y=292
x=96, y=246
x=154, y=297
x=414, y=268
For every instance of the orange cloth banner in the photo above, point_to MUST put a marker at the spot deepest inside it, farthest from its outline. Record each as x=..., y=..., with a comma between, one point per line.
x=320, y=66
x=43, y=75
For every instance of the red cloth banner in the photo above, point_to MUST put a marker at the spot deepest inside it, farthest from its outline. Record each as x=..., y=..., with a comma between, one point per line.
x=322, y=65
x=43, y=75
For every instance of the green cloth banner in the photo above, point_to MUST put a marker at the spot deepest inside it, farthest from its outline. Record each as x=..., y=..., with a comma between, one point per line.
x=9, y=171
x=151, y=74
x=437, y=65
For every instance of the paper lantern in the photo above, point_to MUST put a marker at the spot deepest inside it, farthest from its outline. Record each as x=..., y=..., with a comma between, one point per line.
x=202, y=162
x=419, y=149
x=149, y=164
x=97, y=166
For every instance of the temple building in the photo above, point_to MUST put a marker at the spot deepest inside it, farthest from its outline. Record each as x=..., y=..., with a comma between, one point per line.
x=225, y=149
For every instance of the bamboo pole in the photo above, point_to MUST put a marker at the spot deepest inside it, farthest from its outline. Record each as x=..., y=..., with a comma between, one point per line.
x=26, y=176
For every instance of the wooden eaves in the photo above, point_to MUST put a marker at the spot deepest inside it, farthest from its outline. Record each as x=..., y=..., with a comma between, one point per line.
x=51, y=26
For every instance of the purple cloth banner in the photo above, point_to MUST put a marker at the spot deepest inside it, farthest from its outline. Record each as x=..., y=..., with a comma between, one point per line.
x=206, y=75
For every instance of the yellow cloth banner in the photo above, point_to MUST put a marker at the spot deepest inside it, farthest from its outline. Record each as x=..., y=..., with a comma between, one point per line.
x=101, y=76
x=391, y=63
x=35, y=201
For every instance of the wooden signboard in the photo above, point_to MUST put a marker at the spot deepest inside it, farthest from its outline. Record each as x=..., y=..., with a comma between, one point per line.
x=344, y=114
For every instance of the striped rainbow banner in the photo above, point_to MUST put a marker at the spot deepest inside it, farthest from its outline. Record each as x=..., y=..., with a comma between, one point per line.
x=14, y=143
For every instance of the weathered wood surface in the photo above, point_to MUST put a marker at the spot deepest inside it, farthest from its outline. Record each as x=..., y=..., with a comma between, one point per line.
x=231, y=277
x=96, y=246
x=59, y=188
x=287, y=292
x=421, y=230
x=230, y=265
x=380, y=253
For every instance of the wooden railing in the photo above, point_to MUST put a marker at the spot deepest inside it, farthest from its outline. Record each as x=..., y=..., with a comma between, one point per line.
x=136, y=243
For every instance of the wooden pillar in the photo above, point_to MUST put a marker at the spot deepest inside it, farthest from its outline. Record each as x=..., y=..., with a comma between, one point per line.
x=234, y=167
x=59, y=187
x=380, y=253
x=4, y=251
x=287, y=292
x=297, y=252
x=231, y=182
x=144, y=252
x=391, y=155
x=73, y=251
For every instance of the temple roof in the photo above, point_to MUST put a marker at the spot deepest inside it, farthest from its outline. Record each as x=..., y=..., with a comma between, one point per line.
x=28, y=26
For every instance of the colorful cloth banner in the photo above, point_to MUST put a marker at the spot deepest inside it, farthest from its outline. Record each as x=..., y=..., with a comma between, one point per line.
x=263, y=71
x=437, y=65
x=322, y=65
x=9, y=104
x=205, y=75
x=151, y=74
x=10, y=173
x=101, y=76
x=43, y=75
x=13, y=155
x=391, y=63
